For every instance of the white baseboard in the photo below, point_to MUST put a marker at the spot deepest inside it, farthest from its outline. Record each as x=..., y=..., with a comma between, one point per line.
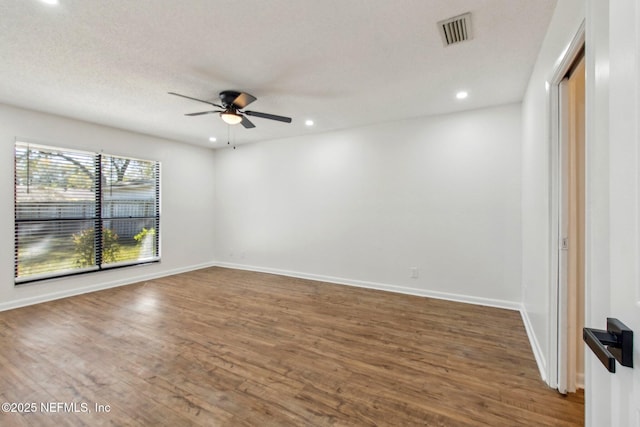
x=535, y=346
x=509, y=305
x=36, y=299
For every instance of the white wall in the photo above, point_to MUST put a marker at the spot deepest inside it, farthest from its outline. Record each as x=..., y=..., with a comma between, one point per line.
x=536, y=154
x=186, y=207
x=362, y=206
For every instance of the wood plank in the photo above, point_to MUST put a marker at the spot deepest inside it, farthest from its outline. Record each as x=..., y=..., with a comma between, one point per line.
x=228, y=347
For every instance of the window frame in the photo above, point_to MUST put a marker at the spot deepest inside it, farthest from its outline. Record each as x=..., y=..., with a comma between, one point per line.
x=99, y=219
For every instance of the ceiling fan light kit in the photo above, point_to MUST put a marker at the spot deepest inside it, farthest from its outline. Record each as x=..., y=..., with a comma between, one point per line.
x=230, y=117
x=231, y=108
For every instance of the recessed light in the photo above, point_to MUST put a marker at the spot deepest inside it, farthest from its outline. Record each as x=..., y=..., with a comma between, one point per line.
x=50, y=2
x=462, y=95
x=309, y=122
x=213, y=139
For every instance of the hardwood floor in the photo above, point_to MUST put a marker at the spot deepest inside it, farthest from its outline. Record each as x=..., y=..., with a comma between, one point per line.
x=234, y=348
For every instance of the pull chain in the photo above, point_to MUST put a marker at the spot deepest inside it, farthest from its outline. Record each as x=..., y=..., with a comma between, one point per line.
x=229, y=138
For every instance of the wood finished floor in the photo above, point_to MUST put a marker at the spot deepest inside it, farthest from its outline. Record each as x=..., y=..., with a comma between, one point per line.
x=234, y=348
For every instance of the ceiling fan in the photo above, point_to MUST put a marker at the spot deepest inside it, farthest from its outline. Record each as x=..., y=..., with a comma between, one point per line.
x=232, y=109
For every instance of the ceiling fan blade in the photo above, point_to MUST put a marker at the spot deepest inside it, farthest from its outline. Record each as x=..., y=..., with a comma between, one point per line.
x=247, y=123
x=195, y=99
x=243, y=100
x=203, y=112
x=268, y=116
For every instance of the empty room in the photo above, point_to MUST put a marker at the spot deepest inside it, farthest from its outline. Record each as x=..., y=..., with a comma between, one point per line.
x=305, y=213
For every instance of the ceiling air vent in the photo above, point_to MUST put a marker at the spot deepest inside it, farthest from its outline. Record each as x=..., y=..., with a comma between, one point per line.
x=455, y=30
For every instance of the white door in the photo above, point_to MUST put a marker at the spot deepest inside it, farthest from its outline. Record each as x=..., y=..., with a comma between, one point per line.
x=614, y=399
x=624, y=140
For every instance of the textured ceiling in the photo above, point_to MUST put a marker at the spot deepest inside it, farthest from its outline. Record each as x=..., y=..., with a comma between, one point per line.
x=342, y=63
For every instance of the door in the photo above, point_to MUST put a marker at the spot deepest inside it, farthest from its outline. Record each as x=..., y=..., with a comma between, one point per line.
x=624, y=113
x=571, y=96
x=613, y=180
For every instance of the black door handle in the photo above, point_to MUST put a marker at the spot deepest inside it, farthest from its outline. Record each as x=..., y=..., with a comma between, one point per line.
x=616, y=343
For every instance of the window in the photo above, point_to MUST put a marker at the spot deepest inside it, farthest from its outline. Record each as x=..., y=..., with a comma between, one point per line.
x=77, y=212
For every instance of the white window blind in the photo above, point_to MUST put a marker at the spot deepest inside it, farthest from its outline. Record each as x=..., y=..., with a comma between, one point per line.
x=77, y=212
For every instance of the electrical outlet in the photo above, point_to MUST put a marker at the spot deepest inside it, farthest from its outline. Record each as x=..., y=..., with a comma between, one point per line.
x=414, y=272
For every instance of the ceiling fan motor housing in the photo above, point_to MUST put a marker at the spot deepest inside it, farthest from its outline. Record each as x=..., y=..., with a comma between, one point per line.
x=228, y=96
